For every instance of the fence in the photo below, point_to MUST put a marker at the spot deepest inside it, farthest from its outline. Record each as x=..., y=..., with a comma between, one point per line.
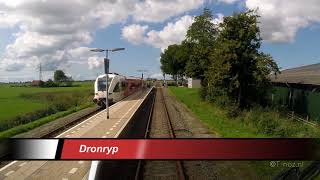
x=302, y=101
x=297, y=117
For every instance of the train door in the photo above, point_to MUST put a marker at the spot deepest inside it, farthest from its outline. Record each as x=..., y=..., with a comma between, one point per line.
x=117, y=93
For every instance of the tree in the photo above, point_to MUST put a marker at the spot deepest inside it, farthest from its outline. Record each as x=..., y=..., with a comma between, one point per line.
x=69, y=81
x=59, y=76
x=173, y=60
x=200, y=37
x=50, y=83
x=191, y=57
x=237, y=69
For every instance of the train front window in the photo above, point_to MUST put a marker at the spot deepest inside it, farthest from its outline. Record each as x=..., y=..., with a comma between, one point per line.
x=102, y=84
x=117, y=88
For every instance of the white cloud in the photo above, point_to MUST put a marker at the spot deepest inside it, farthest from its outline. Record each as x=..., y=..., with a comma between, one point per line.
x=14, y=67
x=95, y=62
x=228, y=1
x=157, y=75
x=51, y=31
x=47, y=31
x=80, y=53
x=134, y=33
x=281, y=19
x=218, y=19
x=160, y=10
x=172, y=33
x=56, y=33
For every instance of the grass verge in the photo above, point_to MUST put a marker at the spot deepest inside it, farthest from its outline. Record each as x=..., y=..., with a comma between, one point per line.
x=255, y=123
x=211, y=115
x=29, y=126
x=251, y=124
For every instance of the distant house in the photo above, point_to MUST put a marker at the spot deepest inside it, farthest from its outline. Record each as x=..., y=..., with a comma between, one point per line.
x=36, y=83
x=194, y=83
x=299, y=90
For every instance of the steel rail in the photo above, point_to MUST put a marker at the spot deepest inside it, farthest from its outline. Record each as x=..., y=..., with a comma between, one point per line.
x=146, y=135
x=179, y=166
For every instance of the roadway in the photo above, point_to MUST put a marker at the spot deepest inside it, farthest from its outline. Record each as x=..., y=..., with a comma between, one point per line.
x=96, y=126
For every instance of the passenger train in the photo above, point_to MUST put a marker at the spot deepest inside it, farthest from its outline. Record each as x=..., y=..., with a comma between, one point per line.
x=119, y=87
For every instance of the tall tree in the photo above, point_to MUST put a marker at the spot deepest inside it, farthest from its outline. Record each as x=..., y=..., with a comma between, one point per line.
x=200, y=38
x=173, y=60
x=237, y=68
x=59, y=76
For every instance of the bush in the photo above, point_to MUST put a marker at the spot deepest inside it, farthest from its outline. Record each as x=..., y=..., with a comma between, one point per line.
x=203, y=93
x=49, y=83
x=233, y=111
x=223, y=101
x=272, y=123
x=171, y=83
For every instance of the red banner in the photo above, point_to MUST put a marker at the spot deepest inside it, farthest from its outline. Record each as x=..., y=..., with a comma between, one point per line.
x=216, y=149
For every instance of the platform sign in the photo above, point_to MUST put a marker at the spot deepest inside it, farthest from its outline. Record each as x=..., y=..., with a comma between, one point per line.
x=106, y=65
x=164, y=149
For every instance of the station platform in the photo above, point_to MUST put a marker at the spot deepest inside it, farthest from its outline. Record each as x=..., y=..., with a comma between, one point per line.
x=97, y=126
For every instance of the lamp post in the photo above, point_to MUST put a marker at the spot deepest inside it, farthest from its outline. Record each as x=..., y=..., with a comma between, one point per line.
x=142, y=71
x=106, y=70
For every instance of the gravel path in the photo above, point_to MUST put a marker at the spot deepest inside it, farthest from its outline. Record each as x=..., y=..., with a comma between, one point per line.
x=186, y=125
x=159, y=129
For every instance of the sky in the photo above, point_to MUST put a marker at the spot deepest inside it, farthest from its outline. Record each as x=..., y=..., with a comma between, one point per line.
x=59, y=34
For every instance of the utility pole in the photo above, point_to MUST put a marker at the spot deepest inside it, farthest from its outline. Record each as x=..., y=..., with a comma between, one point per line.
x=40, y=72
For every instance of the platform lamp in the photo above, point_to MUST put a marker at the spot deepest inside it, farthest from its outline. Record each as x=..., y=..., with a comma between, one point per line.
x=106, y=70
x=142, y=71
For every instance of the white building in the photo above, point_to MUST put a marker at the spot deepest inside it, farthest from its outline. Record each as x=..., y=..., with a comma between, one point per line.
x=194, y=83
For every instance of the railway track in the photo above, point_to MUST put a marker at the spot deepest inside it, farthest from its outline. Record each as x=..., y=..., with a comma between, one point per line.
x=159, y=108
x=131, y=112
x=77, y=121
x=52, y=129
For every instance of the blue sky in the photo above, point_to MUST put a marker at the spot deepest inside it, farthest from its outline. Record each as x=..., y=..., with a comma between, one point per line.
x=134, y=58
x=303, y=51
x=42, y=33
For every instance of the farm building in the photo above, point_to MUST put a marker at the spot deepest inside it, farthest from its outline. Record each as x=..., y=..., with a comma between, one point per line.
x=36, y=83
x=299, y=90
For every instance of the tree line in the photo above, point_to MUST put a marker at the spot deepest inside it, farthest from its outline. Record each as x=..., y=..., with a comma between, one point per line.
x=60, y=79
x=226, y=57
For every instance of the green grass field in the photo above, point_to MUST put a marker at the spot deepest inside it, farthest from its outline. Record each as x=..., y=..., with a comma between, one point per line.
x=17, y=101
